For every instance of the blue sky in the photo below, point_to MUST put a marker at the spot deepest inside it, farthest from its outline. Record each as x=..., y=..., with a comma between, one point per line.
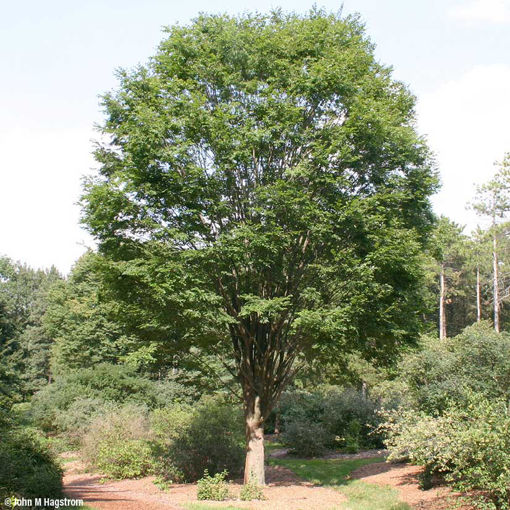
x=58, y=56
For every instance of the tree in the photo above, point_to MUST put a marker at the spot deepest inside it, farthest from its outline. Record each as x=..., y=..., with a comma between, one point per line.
x=477, y=262
x=446, y=248
x=263, y=194
x=493, y=200
x=82, y=326
x=24, y=345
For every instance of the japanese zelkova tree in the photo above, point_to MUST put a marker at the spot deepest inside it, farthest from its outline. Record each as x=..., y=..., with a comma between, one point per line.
x=263, y=195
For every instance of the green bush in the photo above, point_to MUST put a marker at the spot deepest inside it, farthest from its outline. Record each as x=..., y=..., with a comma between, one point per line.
x=251, y=491
x=27, y=469
x=118, y=443
x=300, y=405
x=208, y=436
x=476, y=360
x=74, y=422
x=352, y=418
x=57, y=407
x=213, y=488
x=306, y=438
x=125, y=459
x=332, y=418
x=468, y=445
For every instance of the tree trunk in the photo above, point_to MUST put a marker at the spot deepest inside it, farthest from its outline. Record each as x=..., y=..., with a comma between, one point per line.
x=495, y=281
x=478, y=297
x=277, y=424
x=254, y=465
x=442, y=296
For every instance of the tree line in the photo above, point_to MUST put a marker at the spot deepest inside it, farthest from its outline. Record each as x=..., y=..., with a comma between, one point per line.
x=469, y=272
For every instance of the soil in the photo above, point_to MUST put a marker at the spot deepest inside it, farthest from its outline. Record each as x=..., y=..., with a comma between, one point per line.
x=284, y=490
x=404, y=478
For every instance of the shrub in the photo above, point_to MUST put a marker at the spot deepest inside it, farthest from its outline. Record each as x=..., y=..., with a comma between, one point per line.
x=27, y=469
x=208, y=436
x=96, y=386
x=299, y=405
x=74, y=422
x=73, y=399
x=352, y=418
x=251, y=491
x=467, y=445
x=168, y=423
x=213, y=488
x=306, y=438
x=335, y=417
x=476, y=360
x=125, y=459
x=118, y=444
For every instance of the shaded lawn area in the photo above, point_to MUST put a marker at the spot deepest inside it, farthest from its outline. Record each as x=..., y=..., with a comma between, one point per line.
x=335, y=473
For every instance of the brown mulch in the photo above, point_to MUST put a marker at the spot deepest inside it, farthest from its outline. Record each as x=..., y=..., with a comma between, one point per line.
x=404, y=478
x=283, y=491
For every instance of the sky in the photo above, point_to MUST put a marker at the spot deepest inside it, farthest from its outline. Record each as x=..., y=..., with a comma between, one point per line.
x=58, y=56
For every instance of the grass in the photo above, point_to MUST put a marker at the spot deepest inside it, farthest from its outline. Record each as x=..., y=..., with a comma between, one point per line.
x=270, y=446
x=203, y=506
x=335, y=473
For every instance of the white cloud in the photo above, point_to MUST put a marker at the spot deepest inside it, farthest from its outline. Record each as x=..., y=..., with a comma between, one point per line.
x=467, y=124
x=492, y=11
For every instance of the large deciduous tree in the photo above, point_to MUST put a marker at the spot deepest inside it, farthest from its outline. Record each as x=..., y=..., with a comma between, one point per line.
x=262, y=192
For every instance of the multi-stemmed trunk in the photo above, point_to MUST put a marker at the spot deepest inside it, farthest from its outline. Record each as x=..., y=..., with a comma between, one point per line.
x=263, y=369
x=254, y=471
x=442, y=300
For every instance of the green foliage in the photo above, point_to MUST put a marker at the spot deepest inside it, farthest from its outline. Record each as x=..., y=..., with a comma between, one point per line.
x=476, y=360
x=208, y=436
x=331, y=418
x=73, y=421
x=306, y=438
x=117, y=443
x=82, y=323
x=213, y=488
x=468, y=445
x=83, y=389
x=352, y=417
x=263, y=195
x=125, y=459
x=251, y=491
x=27, y=469
x=24, y=344
x=454, y=418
